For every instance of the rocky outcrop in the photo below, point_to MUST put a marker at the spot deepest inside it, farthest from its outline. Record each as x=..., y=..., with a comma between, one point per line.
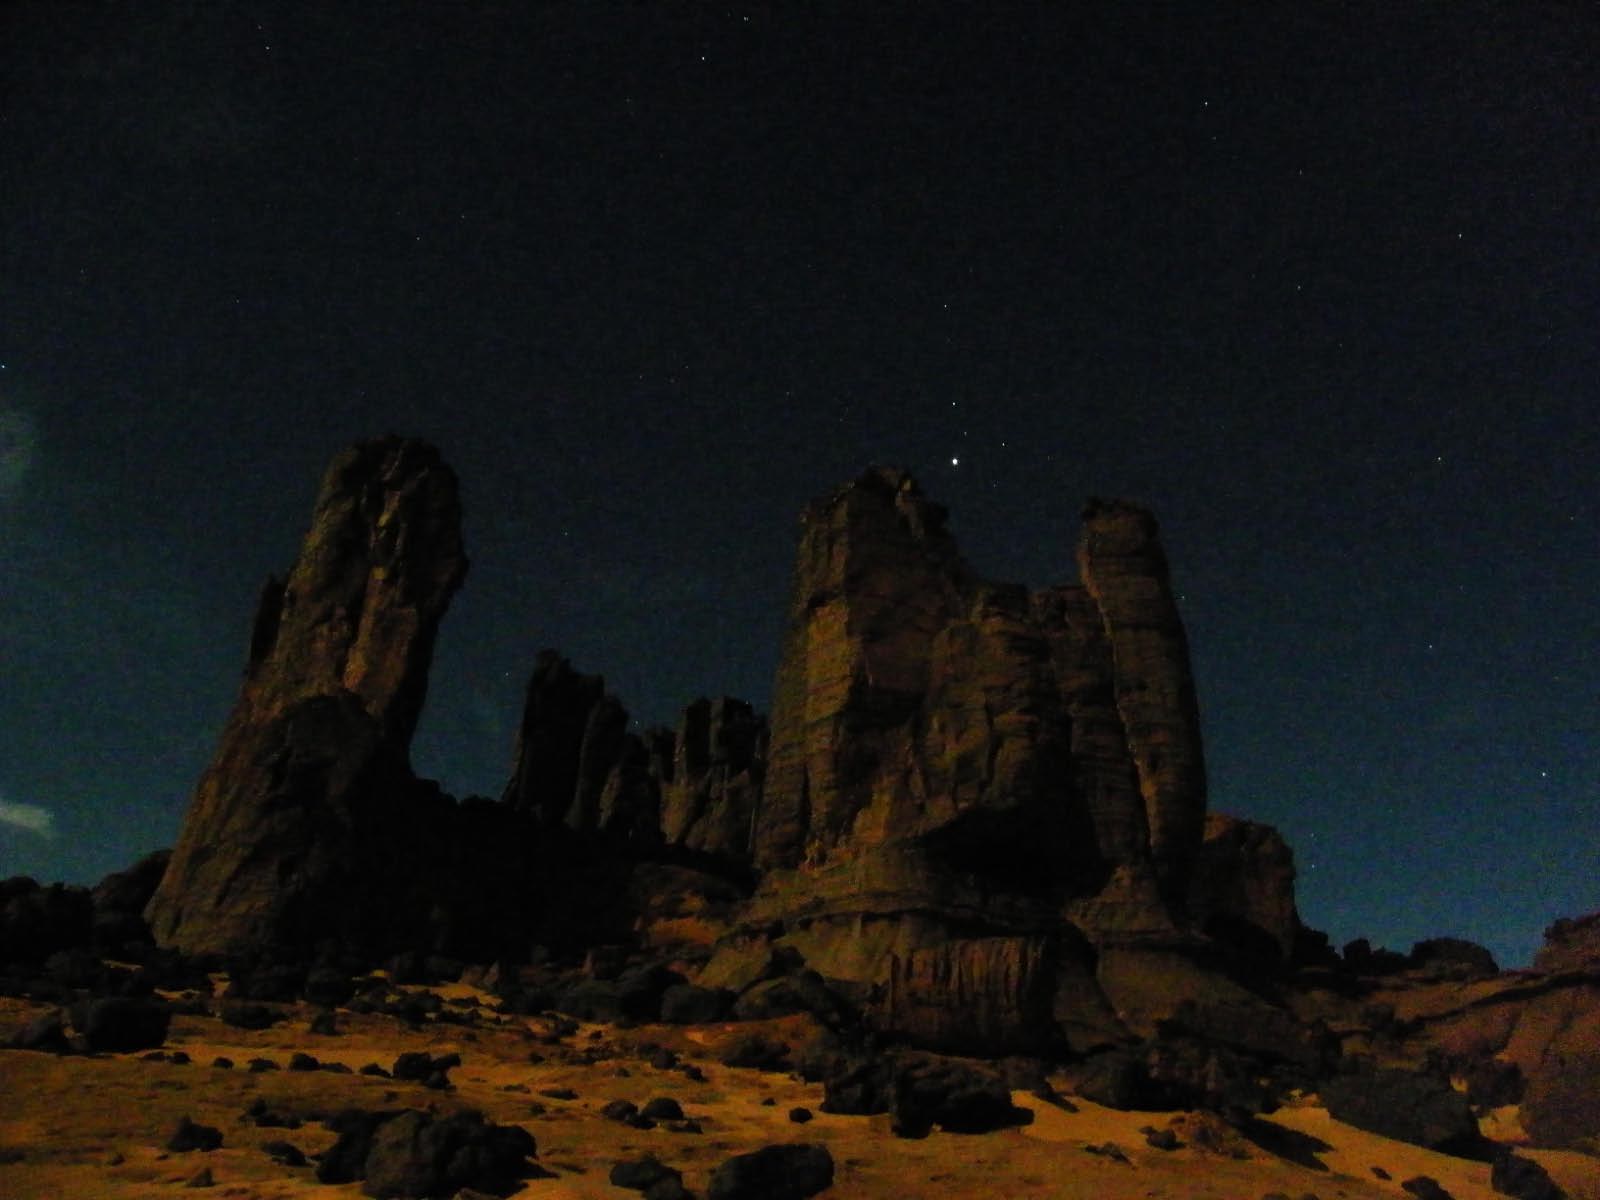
x=711, y=779
x=957, y=766
x=1242, y=890
x=304, y=808
x=576, y=763
x=1125, y=571
x=1571, y=944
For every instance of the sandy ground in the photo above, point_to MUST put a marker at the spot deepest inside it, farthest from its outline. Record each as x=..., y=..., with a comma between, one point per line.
x=95, y=1126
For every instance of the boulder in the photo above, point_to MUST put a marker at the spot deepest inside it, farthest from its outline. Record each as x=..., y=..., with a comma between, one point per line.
x=686, y=1004
x=783, y=1172
x=1514, y=1175
x=122, y=1023
x=419, y=1154
x=1409, y=1106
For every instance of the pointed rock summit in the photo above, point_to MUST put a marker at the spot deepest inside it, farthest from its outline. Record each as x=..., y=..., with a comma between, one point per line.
x=289, y=824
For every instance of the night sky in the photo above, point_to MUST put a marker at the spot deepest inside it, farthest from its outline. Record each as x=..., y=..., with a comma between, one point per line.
x=1319, y=283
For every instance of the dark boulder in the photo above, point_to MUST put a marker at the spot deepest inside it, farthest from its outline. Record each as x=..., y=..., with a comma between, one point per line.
x=956, y=1095
x=243, y=1015
x=122, y=1023
x=37, y=921
x=1425, y=1187
x=1410, y=1106
x=758, y=1053
x=328, y=987
x=1513, y=1175
x=419, y=1154
x=284, y=1153
x=346, y=1160
x=189, y=1136
x=643, y=1174
x=46, y=1032
x=686, y=1004
x=785, y=1172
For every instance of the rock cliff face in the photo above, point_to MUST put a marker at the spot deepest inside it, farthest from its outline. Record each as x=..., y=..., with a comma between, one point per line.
x=957, y=766
x=713, y=777
x=289, y=822
x=1242, y=890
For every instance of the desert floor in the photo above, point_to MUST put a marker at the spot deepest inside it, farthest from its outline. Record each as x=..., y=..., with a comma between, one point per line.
x=94, y=1126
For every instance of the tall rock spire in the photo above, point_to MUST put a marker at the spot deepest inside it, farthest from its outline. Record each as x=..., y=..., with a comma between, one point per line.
x=287, y=824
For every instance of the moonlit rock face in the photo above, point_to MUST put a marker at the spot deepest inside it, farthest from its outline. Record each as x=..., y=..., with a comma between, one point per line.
x=295, y=819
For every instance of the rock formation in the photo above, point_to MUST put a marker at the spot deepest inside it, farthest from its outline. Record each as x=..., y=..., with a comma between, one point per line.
x=712, y=778
x=1242, y=890
x=296, y=819
x=957, y=767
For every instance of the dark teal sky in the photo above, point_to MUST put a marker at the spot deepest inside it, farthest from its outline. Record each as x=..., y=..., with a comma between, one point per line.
x=1317, y=283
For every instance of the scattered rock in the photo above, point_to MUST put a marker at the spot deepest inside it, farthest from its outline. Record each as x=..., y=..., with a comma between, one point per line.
x=285, y=1153
x=120, y=1023
x=264, y=1116
x=1108, y=1150
x=200, y=1179
x=686, y=1004
x=418, y=1154
x=783, y=1172
x=1513, y=1175
x=1425, y=1187
x=188, y=1136
x=1160, y=1139
x=799, y=1115
x=642, y=1174
x=757, y=1052
x=662, y=1108
x=301, y=1061
x=46, y=1032
x=243, y=1015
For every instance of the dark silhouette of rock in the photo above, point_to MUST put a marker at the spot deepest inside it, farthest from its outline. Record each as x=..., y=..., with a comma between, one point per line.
x=784, y=1172
x=1242, y=891
x=36, y=922
x=301, y=818
x=957, y=765
x=1425, y=1187
x=576, y=764
x=712, y=781
x=1453, y=958
x=188, y=1135
x=1560, y=1103
x=122, y=1023
x=643, y=1174
x=1570, y=944
x=686, y=1004
x=417, y=1154
x=46, y=1032
x=284, y=1153
x=1125, y=572
x=1409, y=1106
x=1514, y=1175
